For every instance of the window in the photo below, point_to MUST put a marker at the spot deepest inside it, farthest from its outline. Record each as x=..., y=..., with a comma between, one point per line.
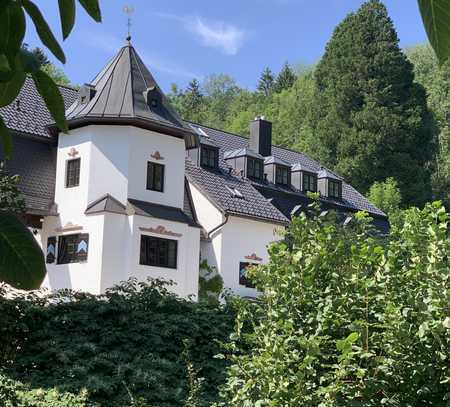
x=309, y=182
x=281, y=175
x=334, y=189
x=155, y=177
x=73, y=173
x=73, y=248
x=243, y=280
x=158, y=252
x=209, y=157
x=254, y=168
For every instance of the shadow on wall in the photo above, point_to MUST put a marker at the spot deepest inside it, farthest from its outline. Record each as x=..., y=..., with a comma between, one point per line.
x=134, y=336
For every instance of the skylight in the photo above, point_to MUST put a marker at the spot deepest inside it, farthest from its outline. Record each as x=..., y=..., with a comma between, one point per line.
x=235, y=193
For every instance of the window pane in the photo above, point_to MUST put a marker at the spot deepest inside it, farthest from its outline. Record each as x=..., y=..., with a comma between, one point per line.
x=73, y=173
x=243, y=280
x=159, y=252
x=68, y=248
x=155, y=177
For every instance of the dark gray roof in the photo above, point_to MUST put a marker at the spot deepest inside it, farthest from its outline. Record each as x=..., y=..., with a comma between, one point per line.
x=351, y=199
x=28, y=113
x=301, y=167
x=218, y=187
x=35, y=162
x=106, y=203
x=152, y=210
x=241, y=152
x=119, y=97
x=324, y=173
x=275, y=160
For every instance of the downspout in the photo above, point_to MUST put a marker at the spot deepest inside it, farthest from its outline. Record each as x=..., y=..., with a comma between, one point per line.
x=218, y=226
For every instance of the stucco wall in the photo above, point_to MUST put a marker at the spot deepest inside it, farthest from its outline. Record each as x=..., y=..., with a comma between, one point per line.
x=243, y=237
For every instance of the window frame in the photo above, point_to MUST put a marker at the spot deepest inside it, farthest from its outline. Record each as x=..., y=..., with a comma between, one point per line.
x=243, y=281
x=280, y=172
x=73, y=256
x=310, y=177
x=251, y=169
x=72, y=182
x=151, y=183
x=336, y=188
x=145, y=257
x=205, y=158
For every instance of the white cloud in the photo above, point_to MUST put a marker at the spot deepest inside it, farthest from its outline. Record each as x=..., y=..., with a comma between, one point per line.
x=214, y=34
x=112, y=44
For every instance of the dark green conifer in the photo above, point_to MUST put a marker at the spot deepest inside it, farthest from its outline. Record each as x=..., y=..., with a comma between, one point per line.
x=371, y=120
x=285, y=78
x=266, y=82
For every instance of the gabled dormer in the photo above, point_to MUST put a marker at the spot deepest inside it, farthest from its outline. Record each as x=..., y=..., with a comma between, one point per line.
x=246, y=162
x=303, y=178
x=207, y=153
x=277, y=171
x=329, y=185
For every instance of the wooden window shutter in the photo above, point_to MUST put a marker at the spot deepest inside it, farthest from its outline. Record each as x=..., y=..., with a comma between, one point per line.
x=51, y=250
x=83, y=246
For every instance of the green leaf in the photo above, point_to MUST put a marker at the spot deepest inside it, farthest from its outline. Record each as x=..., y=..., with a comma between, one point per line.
x=52, y=98
x=92, y=8
x=43, y=30
x=67, y=14
x=436, y=19
x=5, y=140
x=22, y=262
x=12, y=27
x=9, y=90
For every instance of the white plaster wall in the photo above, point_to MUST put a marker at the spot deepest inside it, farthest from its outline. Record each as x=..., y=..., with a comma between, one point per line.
x=114, y=160
x=85, y=276
x=186, y=275
x=209, y=217
x=242, y=237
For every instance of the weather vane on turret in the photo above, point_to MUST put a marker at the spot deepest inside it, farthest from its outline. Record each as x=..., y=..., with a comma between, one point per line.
x=128, y=10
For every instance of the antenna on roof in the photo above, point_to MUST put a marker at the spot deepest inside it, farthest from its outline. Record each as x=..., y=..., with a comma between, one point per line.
x=128, y=10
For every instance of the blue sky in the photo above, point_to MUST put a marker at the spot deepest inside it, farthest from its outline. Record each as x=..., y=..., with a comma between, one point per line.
x=180, y=39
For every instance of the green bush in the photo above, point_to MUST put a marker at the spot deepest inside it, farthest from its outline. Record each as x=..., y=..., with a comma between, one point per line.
x=130, y=343
x=347, y=318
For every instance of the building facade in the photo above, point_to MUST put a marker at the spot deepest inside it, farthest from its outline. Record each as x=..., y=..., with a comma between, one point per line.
x=132, y=190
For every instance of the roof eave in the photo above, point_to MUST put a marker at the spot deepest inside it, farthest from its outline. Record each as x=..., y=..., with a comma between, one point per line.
x=190, y=138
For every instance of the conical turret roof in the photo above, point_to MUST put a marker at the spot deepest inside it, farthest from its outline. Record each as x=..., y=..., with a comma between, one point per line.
x=126, y=93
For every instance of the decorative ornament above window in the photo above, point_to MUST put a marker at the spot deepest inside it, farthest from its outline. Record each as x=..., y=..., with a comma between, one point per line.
x=157, y=156
x=160, y=230
x=254, y=257
x=73, y=152
x=69, y=227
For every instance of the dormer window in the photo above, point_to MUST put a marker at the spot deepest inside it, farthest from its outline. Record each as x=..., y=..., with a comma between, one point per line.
x=281, y=175
x=209, y=157
x=334, y=189
x=329, y=185
x=309, y=183
x=246, y=162
x=254, y=168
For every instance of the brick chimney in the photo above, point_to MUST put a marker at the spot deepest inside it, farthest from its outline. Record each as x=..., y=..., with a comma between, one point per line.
x=261, y=136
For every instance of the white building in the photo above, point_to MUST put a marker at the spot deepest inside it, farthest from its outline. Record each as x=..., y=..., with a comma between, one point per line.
x=133, y=190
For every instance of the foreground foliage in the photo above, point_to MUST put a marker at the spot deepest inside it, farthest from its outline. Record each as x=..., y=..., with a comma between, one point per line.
x=347, y=319
x=138, y=342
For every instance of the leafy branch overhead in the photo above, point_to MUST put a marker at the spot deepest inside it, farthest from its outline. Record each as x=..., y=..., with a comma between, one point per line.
x=16, y=62
x=436, y=19
x=22, y=262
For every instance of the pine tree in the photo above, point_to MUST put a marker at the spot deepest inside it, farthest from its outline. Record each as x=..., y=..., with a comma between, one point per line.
x=285, y=79
x=266, y=82
x=192, y=103
x=371, y=120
